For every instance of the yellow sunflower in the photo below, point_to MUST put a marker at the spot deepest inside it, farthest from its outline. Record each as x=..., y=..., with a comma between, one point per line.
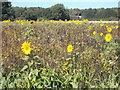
x=94, y=32
x=26, y=48
x=109, y=29
x=101, y=24
x=116, y=26
x=22, y=23
x=101, y=34
x=31, y=22
x=108, y=37
x=70, y=48
x=106, y=26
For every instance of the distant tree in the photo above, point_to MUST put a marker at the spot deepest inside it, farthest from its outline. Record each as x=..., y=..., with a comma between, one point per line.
x=106, y=13
x=29, y=15
x=7, y=11
x=58, y=11
x=74, y=11
x=18, y=12
x=47, y=14
x=118, y=13
x=89, y=13
x=39, y=12
x=0, y=11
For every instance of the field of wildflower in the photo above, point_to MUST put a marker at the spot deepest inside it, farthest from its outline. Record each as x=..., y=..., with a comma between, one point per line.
x=60, y=54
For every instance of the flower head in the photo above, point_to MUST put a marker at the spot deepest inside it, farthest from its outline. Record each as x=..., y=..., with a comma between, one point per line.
x=26, y=48
x=116, y=26
x=106, y=26
x=108, y=37
x=22, y=23
x=6, y=21
x=101, y=34
x=94, y=32
x=109, y=29
x=70, y=48
x=101, y=24
x=31, y=22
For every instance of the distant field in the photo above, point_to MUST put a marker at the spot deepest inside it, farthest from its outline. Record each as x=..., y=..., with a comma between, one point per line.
x=69, y=54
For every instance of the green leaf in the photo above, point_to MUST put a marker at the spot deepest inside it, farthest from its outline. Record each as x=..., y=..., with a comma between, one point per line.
x=77, y=53
x=35, y=72
x=37, y=63
x=39, y=86
x=74, y=85
x=68, y=59
x=25, y=58
x=24, y=68
x=30, y=63
x=36, y=57
x=70, y=65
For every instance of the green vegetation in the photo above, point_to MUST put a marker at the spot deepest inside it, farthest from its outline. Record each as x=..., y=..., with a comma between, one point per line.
x=42, y=49
x=96, y=14
x=7, y=11
x=92, y=61
x=56, y=12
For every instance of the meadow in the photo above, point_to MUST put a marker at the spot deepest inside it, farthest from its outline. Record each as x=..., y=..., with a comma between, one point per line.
x=60, y=54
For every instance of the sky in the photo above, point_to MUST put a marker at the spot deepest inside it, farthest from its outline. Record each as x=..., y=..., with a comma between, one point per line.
x=81, y=4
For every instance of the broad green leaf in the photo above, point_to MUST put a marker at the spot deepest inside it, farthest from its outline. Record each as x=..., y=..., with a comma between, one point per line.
x=30, y=63
x=24, y=68
x=74, y=85
x=70, y=65
x=25, y=58
x=36, y=57
x=35, y=72
x=37, y=63
x=68, y=59
x=77, y=53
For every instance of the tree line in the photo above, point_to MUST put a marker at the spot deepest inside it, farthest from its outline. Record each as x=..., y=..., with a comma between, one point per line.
x=97, y=14
x=56, y=12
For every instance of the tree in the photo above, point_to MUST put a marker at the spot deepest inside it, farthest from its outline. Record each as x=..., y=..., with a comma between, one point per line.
x=106, y=13
x=90, y=13
x=46, y=14
x=7, y=11
x=59, y=12
x=29, y=15
x=18, y=12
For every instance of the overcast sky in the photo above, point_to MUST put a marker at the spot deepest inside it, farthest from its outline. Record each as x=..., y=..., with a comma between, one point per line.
x=82, y=4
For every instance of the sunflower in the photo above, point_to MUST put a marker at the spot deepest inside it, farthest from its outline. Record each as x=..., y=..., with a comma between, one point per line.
x=26, y=48
x=101, y=34
x=6, y=21
x=31, y=22
x=70, y=48
x=108, y=37
x=109, y=29
x=22, y=23
x=94, y=32
x=101, y=24
x=116, y=26
x=106, y=26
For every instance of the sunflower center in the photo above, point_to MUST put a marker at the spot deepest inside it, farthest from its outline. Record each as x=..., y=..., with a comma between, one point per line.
x=108, y=37
x=70, y=48
x=26, y=47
